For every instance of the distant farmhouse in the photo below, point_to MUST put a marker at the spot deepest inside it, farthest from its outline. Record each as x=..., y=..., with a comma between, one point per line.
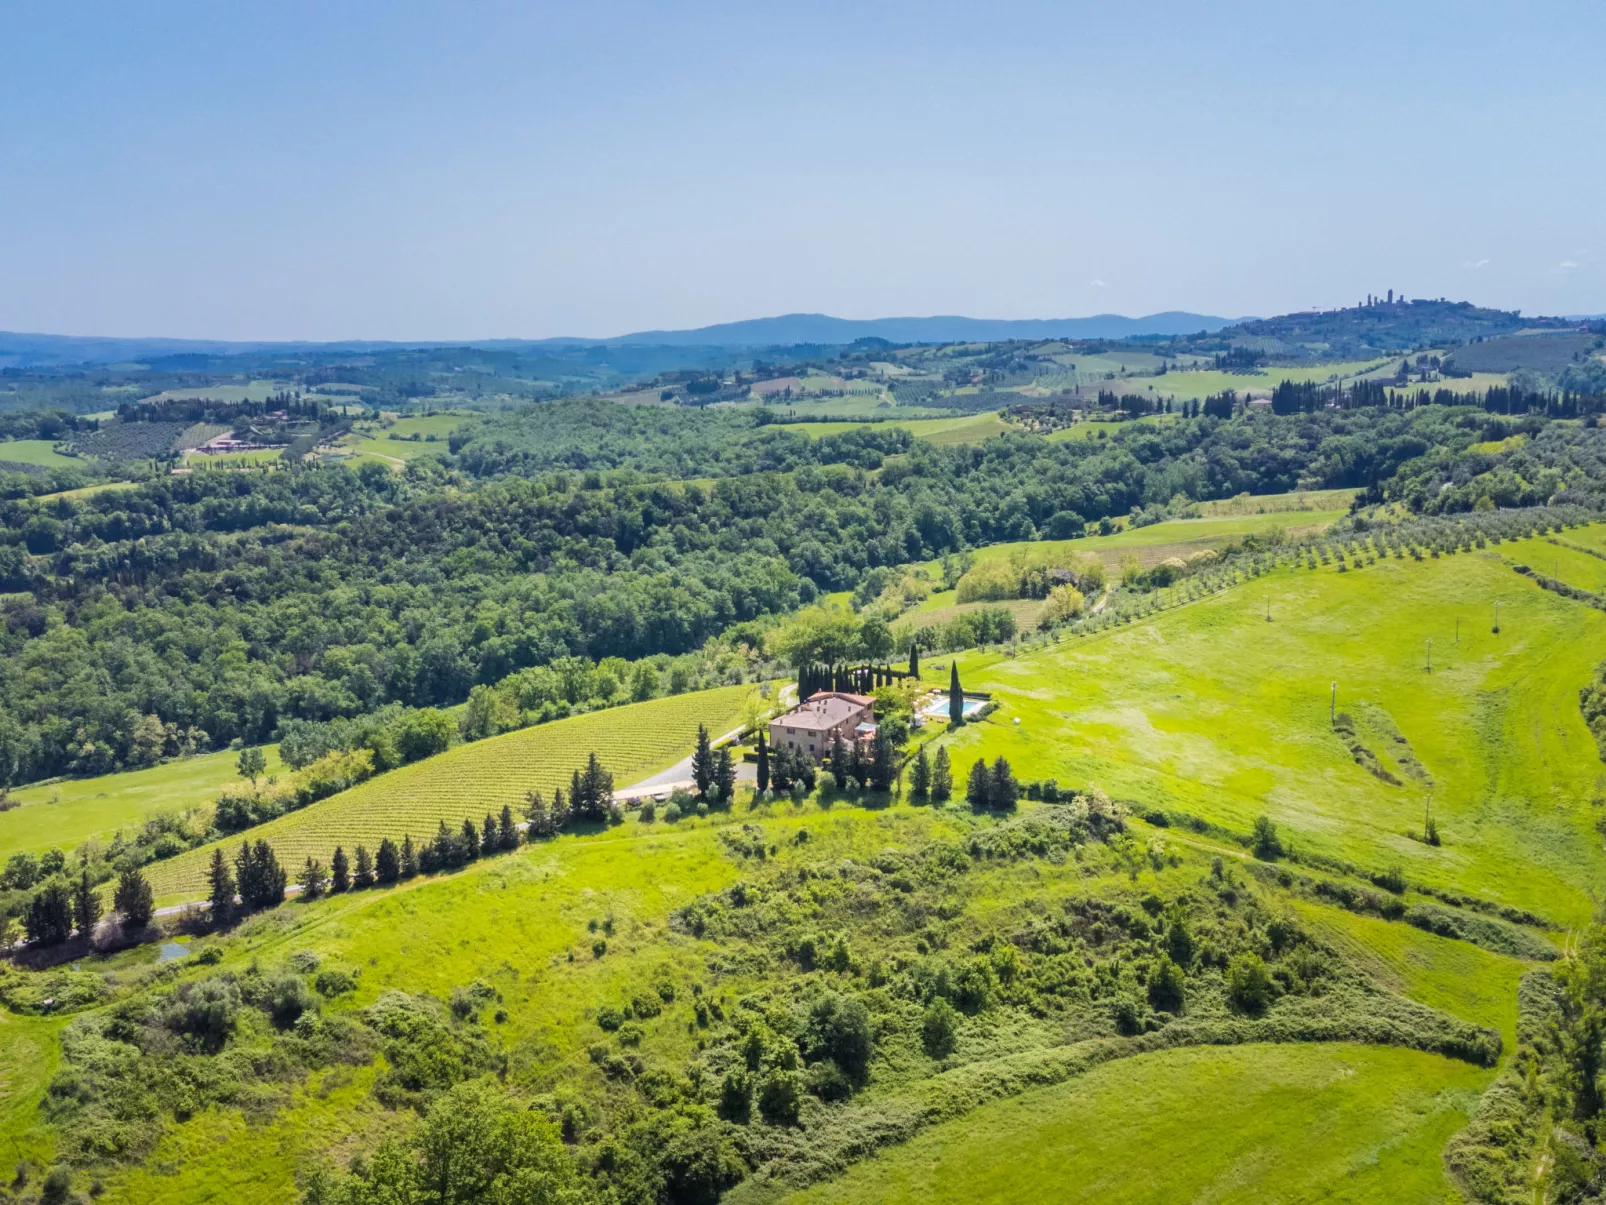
x=813, y=725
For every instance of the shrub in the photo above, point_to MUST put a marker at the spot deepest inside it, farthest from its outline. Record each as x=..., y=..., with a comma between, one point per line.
x=1265, y=843
x=285, y=997
x=1167, y=985
x=1249, y=986
x=780, y=1095
x=334, y=982
x=939, y=1029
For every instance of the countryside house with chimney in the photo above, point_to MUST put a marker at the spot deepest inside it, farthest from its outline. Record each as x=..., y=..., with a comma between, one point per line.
x=813, y=725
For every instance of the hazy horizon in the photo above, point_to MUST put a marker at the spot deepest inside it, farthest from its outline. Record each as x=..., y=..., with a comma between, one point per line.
x=377, y=173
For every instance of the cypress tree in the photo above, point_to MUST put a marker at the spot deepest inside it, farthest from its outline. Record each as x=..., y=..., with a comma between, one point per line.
x=579, y=805
x=363, y=874
x=914, y=659
x=339, y=872
x=920, y=778
x=470, y=841
x=763, y=762
x=409, y=857
x=509, y=831
x=702, y=762
x=724, y=775
x=881, y=763
x=979, y=786
x=956, y=696
x=312, y=879
x=942, y=779
x=220, y=880
x=490, y=835
x=245, y=874
x=134, y=898
x=85, y=906
x=597, y=784
x=1003, y=791
x=387, y=863
x=560, y=810
x=271, y=876
x=49, y=916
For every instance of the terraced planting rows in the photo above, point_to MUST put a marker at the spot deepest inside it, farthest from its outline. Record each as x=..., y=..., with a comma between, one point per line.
x=471, y=780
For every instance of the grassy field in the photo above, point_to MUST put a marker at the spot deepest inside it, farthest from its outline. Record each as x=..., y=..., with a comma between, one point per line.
x=940, y=608
x=40, y=452
x=64, y=814
x=394, y=442
x=1214, y=711
x=970, y=428
x=471, y=780
x=255, y=391
x=1092, y=430
x=1253, y=1124
x=1330, y=502
x=1196, y=386
x=87, y=490
x=1175, y=537
x=29, y=1055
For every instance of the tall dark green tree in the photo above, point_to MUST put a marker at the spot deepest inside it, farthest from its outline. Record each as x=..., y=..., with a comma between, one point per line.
x=979, y=786
x=409, y=857
x=942, y=777
x=220, y=887
x=470, y=840
x=339, y=872
x=313, y=881
x=133, y=899
x=920, y=776
x=490, y=835
x=881, y=762
x=362, y=874
x=1003, y=791
x=508, y=831
x=956, y=696
x=48, y=920
x=763, y=761
x=724, y=775
x=387, y=862
x=702, y=762
x=85, y=906
x=914, y=659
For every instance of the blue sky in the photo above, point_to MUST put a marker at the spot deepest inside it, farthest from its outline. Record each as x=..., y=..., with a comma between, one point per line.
x=409, y=171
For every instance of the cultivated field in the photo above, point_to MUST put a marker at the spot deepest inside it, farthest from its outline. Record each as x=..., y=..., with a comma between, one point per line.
x=471, y=780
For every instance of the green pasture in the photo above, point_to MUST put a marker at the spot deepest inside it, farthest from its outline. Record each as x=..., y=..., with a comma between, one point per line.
x=1092, y=429
x=66, y=813
x=233, y=460
x=970, y=428
x=1462, y=979
x=255, y=391
x=1250, y=1124
x=1175, y=537
x=89, y=490
x=29, y=1054
x=1212, y=710
x=1198, y=385
x=40, y=452
x=1330, y=501
x=470, y=780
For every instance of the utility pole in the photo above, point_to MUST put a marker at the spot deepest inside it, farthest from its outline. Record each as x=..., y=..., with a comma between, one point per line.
x=1497, y=618
x=1332, y=706
x=1430, y=654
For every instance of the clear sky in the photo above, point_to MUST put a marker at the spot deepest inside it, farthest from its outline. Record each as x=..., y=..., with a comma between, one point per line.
x=471, y=170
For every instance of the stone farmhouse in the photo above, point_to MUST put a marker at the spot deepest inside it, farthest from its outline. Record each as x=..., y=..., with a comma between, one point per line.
x=813, y=725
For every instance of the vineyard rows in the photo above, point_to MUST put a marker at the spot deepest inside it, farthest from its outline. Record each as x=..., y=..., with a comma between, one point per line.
x=473, y=779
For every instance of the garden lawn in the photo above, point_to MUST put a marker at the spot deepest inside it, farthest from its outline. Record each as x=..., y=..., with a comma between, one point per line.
x=1210, y=710
x=1250, y=1124
x=65, y=813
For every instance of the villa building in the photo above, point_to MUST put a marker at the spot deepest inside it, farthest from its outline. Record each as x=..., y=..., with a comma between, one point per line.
x=813, y=725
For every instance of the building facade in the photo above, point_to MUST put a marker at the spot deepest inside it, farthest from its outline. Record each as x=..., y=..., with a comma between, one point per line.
x=813, y=725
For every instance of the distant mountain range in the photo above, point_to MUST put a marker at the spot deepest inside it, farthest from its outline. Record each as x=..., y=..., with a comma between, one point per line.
x=19, y=350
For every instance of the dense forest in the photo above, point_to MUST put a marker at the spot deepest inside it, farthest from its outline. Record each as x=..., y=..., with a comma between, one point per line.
x=197, y=610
